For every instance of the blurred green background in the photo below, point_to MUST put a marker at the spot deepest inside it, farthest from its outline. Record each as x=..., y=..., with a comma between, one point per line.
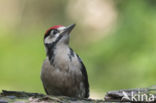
x=116, y=40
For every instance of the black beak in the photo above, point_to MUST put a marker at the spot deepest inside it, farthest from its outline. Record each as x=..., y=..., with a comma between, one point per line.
x=69, y=28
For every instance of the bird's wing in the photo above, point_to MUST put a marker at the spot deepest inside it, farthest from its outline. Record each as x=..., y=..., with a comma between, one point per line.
x=45, y=90
x=85, y=77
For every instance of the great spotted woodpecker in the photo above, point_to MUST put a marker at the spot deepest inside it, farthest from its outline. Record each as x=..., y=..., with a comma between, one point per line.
x=63, y=73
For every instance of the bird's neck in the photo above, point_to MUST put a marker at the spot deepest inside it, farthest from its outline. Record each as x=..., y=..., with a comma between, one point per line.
x=59, y=49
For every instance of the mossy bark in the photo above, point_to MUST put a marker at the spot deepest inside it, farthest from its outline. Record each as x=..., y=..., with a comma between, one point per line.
x=120, y=96
x=25, y=97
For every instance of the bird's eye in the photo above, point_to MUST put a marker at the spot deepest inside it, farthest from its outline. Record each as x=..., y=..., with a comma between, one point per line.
x=55, y=31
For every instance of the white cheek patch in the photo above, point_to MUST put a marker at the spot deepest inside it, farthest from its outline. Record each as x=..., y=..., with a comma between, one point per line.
x=49, y=39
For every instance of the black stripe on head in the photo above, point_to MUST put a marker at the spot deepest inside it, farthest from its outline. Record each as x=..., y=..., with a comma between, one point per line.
x=51, y=49
x=47, y=33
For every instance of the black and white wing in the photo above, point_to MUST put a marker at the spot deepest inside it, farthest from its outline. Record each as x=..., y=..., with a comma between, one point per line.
x=85, y=77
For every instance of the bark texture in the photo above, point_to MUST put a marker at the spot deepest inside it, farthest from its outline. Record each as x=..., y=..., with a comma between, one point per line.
x=141, y=95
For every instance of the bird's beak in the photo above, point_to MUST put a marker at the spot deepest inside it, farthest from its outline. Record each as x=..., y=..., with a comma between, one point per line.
x=68, y=29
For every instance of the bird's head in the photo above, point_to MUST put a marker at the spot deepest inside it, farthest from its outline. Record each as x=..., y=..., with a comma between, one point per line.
x=58, y=35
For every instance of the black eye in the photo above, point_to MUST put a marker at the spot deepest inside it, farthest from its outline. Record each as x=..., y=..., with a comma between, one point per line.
x=55, y=31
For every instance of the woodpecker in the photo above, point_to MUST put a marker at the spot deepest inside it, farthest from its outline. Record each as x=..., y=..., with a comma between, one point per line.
x=63, y=72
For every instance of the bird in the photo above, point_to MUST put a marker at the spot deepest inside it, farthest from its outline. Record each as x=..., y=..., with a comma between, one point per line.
x=63, y=72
